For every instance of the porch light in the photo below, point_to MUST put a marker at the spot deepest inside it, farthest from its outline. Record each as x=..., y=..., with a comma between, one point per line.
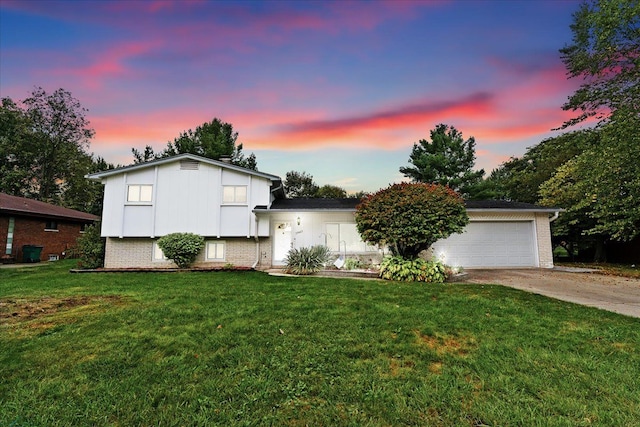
x=298, y=220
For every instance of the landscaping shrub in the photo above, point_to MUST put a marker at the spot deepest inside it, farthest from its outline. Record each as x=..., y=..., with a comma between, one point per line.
x=352, y=264
x=409, y=218
x=307, y=260
x=413, y=270
x=181, y=248
x=90, y=247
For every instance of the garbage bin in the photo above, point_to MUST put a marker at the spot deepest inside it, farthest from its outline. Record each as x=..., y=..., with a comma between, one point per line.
x=31, y=253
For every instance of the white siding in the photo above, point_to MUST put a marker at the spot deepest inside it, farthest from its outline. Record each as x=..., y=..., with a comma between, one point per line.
x=183, y=201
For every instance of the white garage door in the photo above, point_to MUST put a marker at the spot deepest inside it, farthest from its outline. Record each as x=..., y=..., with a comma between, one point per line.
x=490, y=244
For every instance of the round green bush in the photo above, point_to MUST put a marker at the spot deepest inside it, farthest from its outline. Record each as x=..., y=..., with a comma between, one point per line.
x=181, y=248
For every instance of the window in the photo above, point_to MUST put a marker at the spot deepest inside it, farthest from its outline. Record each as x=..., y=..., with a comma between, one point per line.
x=345, y=237
x=12, y=224
x=234, y=194
x=139, y=193
x=158, y=255
x=51, y=226
x=215, y=250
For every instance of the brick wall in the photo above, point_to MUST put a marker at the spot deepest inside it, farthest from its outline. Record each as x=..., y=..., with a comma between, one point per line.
x=31, y=231
x=138, y=252
x=543, y=235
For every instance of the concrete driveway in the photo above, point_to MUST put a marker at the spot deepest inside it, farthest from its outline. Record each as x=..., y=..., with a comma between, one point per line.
x=617, y=294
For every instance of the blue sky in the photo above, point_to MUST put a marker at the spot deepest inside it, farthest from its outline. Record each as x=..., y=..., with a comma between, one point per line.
x=338, y=89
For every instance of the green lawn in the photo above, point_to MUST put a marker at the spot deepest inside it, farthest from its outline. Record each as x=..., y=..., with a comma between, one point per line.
x=249, y=349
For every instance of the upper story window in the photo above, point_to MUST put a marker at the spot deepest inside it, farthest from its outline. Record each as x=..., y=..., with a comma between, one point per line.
x=139, y=193
x=234, y=194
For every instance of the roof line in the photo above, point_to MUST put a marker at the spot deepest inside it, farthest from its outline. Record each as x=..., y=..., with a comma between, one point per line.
x=96, y=176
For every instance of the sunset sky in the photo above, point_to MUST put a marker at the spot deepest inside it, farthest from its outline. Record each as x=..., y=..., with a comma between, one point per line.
x=338, y=89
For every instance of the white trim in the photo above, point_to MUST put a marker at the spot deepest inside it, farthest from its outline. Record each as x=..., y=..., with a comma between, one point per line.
x=154, y=194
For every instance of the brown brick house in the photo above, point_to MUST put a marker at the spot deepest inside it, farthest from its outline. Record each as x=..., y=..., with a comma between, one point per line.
x=30, y=222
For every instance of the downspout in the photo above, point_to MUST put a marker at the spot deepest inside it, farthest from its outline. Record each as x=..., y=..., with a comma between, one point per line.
x=554, y=217
x=257, y=239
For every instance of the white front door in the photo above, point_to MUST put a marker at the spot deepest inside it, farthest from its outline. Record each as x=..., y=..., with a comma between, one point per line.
x=282, y=242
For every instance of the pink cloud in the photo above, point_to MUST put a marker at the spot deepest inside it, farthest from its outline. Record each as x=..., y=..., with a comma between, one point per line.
x=109, y=63
x=415, y=115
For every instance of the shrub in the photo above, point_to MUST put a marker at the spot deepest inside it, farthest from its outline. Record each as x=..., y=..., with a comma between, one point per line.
x=90, y=247
x=413, y=270
x=352, y=264
x=181, y=248
x=307, y=260
x=408, y=218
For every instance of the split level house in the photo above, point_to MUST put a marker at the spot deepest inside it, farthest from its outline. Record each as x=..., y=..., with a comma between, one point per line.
x=247, y=221
x=47, y=231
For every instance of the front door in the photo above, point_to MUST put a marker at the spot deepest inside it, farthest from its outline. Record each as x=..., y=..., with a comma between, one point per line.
x=282, y=242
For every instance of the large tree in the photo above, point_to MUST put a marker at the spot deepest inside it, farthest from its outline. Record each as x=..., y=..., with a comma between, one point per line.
x=446, y=160
x=519, y=178
x=43, y=148
x=604, y=55
x=600, y=187
x=600, y=190
x=409, y=218
x=215, y=139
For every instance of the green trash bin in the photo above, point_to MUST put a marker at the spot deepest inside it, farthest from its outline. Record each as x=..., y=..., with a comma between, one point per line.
x=31, y=253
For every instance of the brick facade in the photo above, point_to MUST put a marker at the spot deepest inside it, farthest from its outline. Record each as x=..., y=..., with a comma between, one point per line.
x=138, y=253
x=31, y=231
x=543, y=236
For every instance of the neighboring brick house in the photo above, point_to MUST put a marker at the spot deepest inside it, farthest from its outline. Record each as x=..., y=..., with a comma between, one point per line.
x=30, y=222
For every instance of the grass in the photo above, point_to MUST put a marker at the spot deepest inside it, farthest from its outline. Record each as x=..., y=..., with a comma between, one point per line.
x=232, y=348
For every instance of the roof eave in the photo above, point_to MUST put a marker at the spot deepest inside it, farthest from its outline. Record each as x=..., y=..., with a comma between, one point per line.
x=301, y=210
x=98, y=176
x=48, y=215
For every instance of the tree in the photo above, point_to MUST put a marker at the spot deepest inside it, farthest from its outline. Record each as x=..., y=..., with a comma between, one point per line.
x=600, y=189
x=15, y=154
x=60, y=135
x=43, y=147
x=604, y=55
x=215, y=139
x=519, y=178
x=299, y=185
x=446, y=160
x=409, y=218
x=329, y=191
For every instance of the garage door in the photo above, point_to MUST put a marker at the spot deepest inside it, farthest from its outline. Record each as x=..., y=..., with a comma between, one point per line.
x=490, y=244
